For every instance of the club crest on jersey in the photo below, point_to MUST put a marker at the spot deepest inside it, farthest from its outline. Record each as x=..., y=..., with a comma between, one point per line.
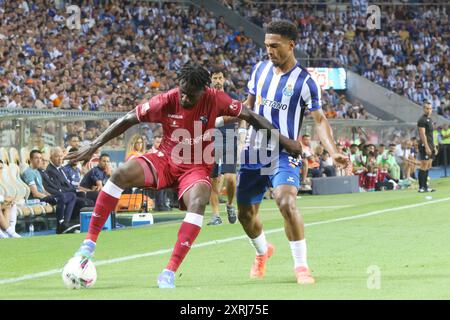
x=288, y=91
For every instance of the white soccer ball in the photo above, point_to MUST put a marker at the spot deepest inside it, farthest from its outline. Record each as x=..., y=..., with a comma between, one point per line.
x=79, y=273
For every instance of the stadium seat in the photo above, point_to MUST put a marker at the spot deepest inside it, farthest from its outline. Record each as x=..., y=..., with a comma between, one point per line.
x=132, y=202
x=24, y=159
x=23, y=212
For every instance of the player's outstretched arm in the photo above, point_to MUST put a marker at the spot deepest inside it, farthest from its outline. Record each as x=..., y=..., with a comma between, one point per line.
x=293, y=147
x=326, y=137
x=116, y=129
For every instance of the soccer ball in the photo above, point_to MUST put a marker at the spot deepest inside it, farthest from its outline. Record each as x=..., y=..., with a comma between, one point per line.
x=78, y=273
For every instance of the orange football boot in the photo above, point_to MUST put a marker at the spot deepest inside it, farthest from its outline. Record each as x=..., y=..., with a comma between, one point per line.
x=303, y=276
x=258, y=269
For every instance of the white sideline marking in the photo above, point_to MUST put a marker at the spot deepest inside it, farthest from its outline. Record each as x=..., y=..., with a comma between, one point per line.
x=204, y=244
x=313, y=207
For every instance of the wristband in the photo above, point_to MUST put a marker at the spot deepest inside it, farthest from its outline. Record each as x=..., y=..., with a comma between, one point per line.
x=242, y=130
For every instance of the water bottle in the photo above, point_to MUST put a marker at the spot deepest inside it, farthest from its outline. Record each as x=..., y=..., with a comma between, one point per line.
x=31, y=230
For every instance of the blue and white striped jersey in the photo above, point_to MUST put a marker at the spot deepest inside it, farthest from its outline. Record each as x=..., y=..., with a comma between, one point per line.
x=280, y=98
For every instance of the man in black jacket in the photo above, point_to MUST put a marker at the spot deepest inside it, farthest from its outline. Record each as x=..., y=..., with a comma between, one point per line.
x=65, y=201
x=60, y=181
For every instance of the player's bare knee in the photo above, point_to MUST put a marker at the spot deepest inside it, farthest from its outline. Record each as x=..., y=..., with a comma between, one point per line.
x=119, y=178
x=244, y=216
x=197, y=206
x=287, y=206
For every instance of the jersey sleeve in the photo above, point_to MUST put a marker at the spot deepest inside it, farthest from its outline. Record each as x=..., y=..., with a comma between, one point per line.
x=28, y=178
x=96, y=175
x=227, y=106
x=152, y=110
x=310, y=95
x=422, y=123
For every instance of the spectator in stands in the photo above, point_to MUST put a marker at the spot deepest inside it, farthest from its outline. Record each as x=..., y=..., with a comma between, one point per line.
x=135, y=147
x=56, y=172
x=327, y=168
x=388, y=58
x=311, y=157
x=39, y=144
x=73, y=141
x=95, y=179
x=394, y=168
x=156, y=142
x=73, y=173
x=161, y=196
x=35, y=176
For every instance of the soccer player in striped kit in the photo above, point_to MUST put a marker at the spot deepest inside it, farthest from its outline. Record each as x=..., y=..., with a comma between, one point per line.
x=280, y=90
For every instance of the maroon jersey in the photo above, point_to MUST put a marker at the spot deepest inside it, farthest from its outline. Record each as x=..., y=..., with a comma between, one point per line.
x=188, y=133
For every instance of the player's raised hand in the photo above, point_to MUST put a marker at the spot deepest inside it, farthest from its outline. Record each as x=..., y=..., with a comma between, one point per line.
x=83, y=154
x=341, y=160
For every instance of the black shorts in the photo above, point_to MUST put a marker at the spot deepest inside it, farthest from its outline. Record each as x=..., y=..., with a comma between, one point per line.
x=422, y=155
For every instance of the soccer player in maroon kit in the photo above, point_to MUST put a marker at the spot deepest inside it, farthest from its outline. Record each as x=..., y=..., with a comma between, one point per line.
x=184, y=159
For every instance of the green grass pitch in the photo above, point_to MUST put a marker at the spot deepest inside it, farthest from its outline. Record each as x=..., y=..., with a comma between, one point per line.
x=383, y=245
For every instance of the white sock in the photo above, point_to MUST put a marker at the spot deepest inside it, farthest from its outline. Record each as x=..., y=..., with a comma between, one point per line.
x=298, y=249
x=3, y=235
x=194, y=218
x=13, y=217
x=260, y=244
x=12, y=233
x=112, y=189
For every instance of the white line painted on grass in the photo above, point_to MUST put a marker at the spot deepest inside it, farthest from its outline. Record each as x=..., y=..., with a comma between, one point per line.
x=220, y=241
x=314, y=207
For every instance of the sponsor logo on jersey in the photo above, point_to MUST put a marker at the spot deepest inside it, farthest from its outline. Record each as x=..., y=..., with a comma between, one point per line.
x=192, y=141
x=273, y=104
x=175, y=116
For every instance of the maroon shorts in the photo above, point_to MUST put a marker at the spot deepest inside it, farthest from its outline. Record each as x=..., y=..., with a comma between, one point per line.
x=170, y=175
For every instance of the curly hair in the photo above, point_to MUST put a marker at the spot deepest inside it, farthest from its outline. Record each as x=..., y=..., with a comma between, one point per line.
x=194, y=75
x=284, y=28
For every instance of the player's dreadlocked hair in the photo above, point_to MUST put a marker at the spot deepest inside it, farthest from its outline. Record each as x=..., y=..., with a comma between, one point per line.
x=195, y=75
x=284, y=28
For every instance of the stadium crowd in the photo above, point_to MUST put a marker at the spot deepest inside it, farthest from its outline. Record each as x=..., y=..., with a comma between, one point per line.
x=409, y=55
x=119, y=60
x=133, y=50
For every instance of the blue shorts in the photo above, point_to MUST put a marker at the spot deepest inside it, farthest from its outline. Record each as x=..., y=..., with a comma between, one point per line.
x=251, y=185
